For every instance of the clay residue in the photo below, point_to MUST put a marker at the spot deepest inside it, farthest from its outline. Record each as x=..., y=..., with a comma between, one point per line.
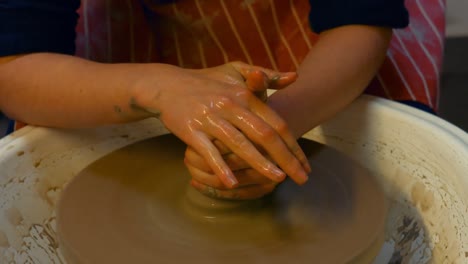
x=4, y=240
x=52, y=195
x=411, y=243
x=41, y=242
x=14, y=216
x=20, y=153
x=43, y=186
x=37, y=163
x=421, y=197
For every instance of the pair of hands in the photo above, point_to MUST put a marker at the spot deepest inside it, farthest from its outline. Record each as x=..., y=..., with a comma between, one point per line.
x=234, y=139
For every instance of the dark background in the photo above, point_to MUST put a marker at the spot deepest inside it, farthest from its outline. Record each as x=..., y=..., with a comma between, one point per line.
x=454, y=84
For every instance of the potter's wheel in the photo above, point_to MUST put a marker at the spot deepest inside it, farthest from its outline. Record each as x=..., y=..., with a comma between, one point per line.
x=135, y=206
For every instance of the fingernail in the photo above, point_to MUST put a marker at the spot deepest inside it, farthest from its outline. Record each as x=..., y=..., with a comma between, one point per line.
x=304, y=177
x=279, y=174
x=232, y=181
x=194, y=184
x=289, y=75
x=308, y=168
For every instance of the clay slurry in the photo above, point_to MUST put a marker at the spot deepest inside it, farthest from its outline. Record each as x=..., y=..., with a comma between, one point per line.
x=135, y=205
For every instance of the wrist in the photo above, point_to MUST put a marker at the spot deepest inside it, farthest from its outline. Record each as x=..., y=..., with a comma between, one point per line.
x=149, y=87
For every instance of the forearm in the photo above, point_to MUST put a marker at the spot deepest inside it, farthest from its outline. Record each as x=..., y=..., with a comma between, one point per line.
x=335, y=72
x=64, y=91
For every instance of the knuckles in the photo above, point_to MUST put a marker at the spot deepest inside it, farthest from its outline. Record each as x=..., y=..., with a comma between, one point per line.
x=240, y=141
x=268, y=134
x=282, y=127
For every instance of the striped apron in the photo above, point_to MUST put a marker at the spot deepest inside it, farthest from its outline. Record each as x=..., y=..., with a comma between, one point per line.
x=269, y=33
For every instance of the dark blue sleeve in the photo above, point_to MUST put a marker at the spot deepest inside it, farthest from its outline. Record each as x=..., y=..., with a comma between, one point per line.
x=328, y=14
x=38, y=26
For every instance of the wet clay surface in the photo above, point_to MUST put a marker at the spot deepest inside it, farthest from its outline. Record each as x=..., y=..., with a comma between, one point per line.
x=136, y=206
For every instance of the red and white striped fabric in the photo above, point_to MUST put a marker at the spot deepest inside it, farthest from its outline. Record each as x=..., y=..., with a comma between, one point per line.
x=269, y=33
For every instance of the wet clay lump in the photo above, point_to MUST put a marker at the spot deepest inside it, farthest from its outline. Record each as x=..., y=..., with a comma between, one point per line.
x=135, y=205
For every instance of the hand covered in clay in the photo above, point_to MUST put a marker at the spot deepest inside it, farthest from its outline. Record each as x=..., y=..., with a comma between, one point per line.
x=199, y=106
x=251, y=183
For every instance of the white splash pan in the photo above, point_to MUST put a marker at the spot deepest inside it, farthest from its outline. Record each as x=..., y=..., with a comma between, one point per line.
x=420, y=159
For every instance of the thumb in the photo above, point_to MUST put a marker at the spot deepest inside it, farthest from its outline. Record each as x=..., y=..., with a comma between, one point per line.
x=259, y=79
